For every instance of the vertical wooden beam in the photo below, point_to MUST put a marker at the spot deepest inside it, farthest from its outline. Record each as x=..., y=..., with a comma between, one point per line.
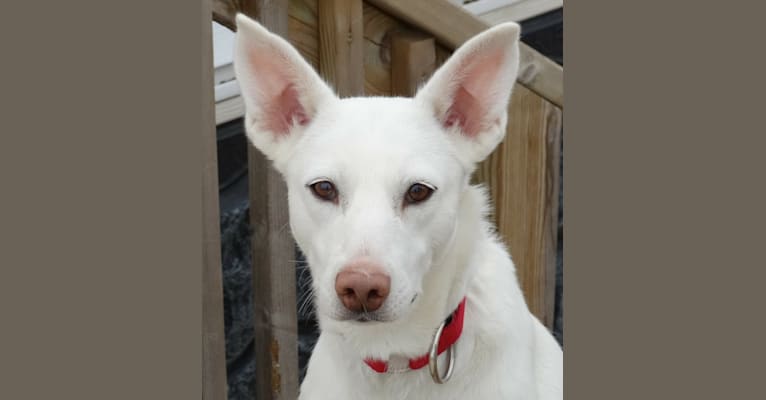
x=273, y=248
x=274, y=297
x=341, y=40
x=554, y=121
x=522, y=175
x=413, y=60
x=213, y=350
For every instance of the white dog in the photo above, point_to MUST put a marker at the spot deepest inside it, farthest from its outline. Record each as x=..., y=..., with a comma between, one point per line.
x=396, y=238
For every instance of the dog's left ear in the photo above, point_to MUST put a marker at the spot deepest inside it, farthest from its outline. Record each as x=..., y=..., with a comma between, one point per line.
x=469, y=94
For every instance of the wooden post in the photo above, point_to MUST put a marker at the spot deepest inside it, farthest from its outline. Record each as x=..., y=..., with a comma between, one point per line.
x=213, y=346
x=274, y=298
x=555, y=123
x=413, y=60
x=523, y=178
x=341, y=40
x=275, y=312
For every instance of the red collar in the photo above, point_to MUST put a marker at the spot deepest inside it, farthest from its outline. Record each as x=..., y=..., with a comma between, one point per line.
x=451, y=333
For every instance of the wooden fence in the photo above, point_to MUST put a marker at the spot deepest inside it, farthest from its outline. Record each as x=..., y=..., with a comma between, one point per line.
x=381, y=47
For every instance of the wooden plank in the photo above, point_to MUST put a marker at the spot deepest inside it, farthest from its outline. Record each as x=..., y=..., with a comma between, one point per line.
x=551, y=223
x=379, y=28
x=452, y=26
x=274, y=297
x=302, y=23
x=225, y=11
x=522, y=176
x=413, y=60
x=341, y=40
x=303, y=29
x=213, y=346
x=377, y=50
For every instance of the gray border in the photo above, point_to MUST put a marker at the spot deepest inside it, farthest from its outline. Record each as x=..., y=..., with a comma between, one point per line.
x=100, y=217
x=664, y=200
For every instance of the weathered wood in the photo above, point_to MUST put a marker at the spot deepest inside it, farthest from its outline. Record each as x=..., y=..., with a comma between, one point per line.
x=522, y=176
x=452, y=26
x=225, y=11
x=274, y=298
x=413, y=60
x=303, y=29
x=213, y=346
x=341, y=40
x=377, y=50
x=551, y=222
x=302, y=23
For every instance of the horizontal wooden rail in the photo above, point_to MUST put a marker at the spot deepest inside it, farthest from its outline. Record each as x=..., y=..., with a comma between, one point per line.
x=452, y=26
x=225, y=11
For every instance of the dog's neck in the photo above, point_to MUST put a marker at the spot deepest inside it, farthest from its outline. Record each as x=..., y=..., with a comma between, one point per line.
x=411, y=335
x=453, y=268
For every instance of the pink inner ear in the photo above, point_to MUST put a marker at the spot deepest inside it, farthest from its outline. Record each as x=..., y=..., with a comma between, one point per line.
x=276, y=93
x=474, y=94
x=285, y=110
x=465, y=111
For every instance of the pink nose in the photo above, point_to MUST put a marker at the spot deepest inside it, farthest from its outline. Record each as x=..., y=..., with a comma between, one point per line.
x=362, y=286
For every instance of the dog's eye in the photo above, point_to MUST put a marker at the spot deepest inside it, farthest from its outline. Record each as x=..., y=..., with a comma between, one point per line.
x=417, y=193
x=325, y=190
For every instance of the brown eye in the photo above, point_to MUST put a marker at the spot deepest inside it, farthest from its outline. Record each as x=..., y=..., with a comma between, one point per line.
x=325, y=190
x=418, y=193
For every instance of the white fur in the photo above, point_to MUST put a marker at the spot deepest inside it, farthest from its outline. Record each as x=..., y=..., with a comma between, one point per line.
x=436, y=252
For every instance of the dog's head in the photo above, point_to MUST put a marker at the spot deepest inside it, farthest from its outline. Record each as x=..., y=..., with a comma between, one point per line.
x=374, y=184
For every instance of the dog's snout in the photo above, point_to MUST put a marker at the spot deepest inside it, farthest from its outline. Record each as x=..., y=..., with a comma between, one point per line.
x=362, y=286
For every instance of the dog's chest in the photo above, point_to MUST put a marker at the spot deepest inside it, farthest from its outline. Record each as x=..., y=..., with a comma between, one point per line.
x=420, y=386
x=485, y=379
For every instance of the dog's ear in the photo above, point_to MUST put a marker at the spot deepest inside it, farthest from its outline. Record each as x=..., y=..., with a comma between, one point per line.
x=469, y=94
x=281, y=91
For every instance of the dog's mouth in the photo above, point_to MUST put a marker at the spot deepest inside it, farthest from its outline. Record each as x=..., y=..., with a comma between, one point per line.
x=367, y=317
x=363, y=317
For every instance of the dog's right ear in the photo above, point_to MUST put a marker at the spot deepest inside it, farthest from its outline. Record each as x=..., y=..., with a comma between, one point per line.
x=281, y=92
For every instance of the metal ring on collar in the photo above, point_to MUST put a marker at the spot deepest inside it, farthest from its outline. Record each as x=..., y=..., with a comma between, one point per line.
x=433, y=356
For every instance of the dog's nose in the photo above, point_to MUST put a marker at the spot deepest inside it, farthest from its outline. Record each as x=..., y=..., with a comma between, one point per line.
x=362, y=286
